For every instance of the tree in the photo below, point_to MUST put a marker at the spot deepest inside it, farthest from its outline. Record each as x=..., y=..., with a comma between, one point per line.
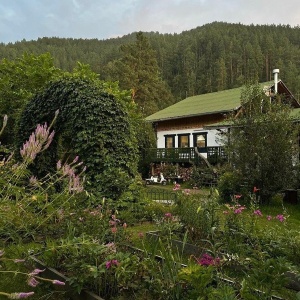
x=138, y=71
x=19, y=80
x=262, y=142
x=92, y=124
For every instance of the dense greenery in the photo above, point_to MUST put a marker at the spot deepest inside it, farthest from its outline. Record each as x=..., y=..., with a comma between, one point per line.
x=138, y=70
x=19, y=80
x=262, y=144
x=92, y=124
x=209, y=58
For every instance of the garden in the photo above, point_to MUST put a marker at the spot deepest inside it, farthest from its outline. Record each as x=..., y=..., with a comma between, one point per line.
x=77, y=221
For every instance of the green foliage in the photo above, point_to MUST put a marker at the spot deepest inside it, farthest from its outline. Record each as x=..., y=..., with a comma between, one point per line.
x=229, y=184
x=19, y=80
x=138, y=71
x=262, y=143
x=91, y=124
x=208, y=58
x=198, y=214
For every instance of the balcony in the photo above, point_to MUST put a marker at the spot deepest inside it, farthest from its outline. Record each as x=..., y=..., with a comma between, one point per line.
x=184, y=155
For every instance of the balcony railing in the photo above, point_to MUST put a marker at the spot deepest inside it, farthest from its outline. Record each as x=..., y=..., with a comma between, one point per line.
x=214, y=155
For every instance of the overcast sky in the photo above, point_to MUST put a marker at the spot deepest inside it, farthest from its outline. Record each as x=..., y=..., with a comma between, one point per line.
x=103, y=19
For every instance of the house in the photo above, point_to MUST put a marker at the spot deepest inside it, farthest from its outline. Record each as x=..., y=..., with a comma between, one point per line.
x=188, y=131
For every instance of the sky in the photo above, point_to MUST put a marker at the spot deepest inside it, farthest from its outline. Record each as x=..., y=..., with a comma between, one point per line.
x=104, y=19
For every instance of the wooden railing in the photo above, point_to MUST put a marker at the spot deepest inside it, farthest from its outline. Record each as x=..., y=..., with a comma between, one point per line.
x=171, y=155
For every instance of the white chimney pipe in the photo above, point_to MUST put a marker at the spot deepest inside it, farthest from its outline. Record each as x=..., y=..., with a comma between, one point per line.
x=276, y=72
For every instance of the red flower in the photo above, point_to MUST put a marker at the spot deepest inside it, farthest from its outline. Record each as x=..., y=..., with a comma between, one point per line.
x=255, y=189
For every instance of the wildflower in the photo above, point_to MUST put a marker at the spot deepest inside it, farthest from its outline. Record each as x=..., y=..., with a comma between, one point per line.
x=36, y=272
x=258, y=213
x=111, y=263
x=239, y=209
x=114, y=230
x=32, y=282
x=141, y=235
x=208, y=260
x=124, y=225
x=168, y=215
x=57, y=282
x=19, y=260
x=237, y=196
x=269, y=218
x=58, y=165
x=33, y=180
x=281, y=218
x=186, y=191
x=111, y=247
x=75, y=159
x=255, y=190
x=38, y=141
x=176, y=187
x=225, y=212
x=20, y=295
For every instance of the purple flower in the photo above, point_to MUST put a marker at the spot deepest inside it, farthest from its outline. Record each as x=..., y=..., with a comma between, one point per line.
x=20, y=295
x=269, y=218
x=32, y=282
x=208, y=260
x=36, y=272
x=57, y=282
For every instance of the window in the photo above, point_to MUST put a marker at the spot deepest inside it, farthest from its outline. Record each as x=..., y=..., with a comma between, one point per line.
x=183, y=140
x=200, y=141
x=170, y=141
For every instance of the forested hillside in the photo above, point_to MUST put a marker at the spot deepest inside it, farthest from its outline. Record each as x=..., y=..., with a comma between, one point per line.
x=209, y=58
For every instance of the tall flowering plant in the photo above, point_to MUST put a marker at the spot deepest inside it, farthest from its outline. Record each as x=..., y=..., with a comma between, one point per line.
x=29, y=203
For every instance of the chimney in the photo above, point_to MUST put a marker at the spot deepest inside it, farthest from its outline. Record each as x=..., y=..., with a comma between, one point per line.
x=276, y=72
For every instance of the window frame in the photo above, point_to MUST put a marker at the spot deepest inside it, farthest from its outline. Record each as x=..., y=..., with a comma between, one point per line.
x=179, y=140
x=173, y=140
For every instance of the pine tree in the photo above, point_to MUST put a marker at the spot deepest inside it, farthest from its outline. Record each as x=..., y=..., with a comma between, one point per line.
x=138, y=71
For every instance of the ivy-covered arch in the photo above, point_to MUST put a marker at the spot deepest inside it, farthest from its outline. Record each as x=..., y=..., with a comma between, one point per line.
x=91, y=124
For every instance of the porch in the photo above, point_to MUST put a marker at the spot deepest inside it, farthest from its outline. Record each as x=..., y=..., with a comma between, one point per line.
x=185, y=155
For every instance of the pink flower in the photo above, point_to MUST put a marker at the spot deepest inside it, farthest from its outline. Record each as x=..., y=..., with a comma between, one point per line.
x=36, y=272
x=108, y=264
x=237, y=196
x=269, y=218
x=141, y=235
x=255, y=190
x=20, y=295
x=124, y=225
x=57, y=282
x=225, y=212
x=114, y=230
x=281, y=218
x=18, y=260
x=168, y=215
x=208, y=260
x=258, y=213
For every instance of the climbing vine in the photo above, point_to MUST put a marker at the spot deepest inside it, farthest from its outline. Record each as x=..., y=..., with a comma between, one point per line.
x=91, y=124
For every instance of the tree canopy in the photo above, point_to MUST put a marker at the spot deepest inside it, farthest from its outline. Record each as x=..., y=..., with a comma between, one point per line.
x=92, y=124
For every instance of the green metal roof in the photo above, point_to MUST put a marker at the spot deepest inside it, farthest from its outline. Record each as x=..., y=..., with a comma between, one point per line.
x=203, y=104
